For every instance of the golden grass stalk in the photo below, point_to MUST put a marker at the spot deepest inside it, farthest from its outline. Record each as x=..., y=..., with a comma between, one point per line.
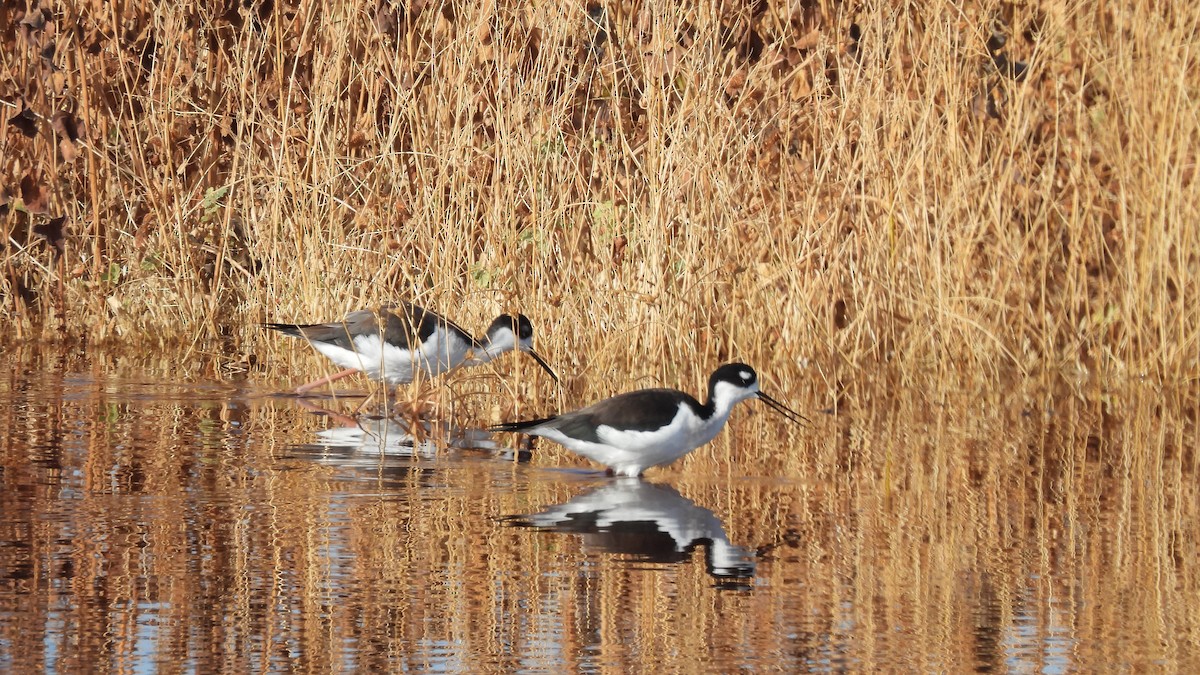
x=662, y=188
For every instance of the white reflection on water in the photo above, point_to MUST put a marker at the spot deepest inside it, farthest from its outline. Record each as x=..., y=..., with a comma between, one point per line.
x=652, y=522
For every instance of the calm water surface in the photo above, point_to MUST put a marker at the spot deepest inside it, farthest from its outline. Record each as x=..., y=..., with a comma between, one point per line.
x=149, y=524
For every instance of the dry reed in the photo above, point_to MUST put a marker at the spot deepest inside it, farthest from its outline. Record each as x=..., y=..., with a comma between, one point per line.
x=980, y=187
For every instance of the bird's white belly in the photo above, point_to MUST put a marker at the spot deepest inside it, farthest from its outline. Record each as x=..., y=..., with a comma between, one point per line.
x=629, y=452
x=649, y=447
x=382, y=361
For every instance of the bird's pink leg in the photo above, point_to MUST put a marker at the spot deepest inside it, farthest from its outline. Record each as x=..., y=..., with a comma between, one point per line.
x=307, y=387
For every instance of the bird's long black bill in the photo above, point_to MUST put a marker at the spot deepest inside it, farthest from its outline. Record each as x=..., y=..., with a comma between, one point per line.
x=788, y=413
x=542, y=362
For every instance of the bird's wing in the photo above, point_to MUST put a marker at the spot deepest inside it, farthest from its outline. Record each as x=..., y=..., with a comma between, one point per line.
x=406, y=322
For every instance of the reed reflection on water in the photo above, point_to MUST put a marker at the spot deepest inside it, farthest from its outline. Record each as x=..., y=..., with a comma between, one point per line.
x=148, y=523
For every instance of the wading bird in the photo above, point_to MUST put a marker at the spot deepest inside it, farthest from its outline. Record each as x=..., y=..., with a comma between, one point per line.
x=394, y=342
x=632, y=432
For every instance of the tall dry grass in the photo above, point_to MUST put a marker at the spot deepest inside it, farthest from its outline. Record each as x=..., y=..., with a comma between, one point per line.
x=661, y=188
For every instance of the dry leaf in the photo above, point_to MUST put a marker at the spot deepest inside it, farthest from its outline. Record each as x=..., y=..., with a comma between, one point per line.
x=618, y=249
x=25, y=121
x=736, y=83
x=68, y=150
x=52, y=232
x=801, y=85
x=386, y=19
x=31, y=195
x=56, y=83
x=808, y=40
x=663, y=65
x=65, y=125
x=33, y=20
x=533, y=49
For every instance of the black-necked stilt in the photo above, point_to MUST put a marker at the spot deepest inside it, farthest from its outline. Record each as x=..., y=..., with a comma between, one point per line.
x=632, y=432
x=396, y=341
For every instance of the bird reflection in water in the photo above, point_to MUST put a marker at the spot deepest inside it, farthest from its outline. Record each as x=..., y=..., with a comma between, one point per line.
x=369, y=437
x=650, y=522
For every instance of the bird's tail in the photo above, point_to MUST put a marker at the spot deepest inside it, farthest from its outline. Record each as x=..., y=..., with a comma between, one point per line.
x=293, y=329
x=519, y=426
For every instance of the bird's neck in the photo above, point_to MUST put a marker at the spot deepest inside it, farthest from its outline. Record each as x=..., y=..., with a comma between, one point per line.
x=491, y=349
x=718, y=406
x=707, y=411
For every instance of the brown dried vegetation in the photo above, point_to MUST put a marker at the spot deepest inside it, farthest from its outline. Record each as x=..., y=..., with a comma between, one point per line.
x=985, y=186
